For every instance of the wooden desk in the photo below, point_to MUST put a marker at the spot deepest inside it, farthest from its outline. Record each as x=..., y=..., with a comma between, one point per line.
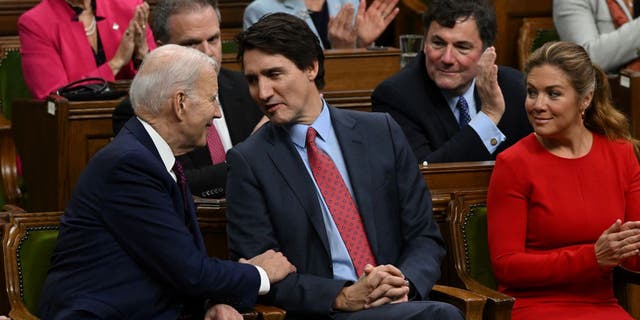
x=56, y=139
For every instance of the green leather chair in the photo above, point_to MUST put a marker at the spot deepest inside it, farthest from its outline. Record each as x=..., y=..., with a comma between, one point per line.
x=470, y=249
x=27, y=244
x=12, y=85
x=473, y=266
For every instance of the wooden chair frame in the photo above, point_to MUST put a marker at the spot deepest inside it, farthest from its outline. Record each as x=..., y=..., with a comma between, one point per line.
x=531, y=27
x=21, y=224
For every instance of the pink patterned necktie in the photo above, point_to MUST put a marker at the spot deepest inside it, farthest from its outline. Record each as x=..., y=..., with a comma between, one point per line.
x=216, y=150
x=340, y=204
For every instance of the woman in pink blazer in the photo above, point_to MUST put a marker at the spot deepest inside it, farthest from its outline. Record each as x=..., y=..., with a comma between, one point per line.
x=66, y=40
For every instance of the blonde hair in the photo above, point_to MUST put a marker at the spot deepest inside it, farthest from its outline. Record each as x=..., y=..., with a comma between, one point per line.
x=601, y=116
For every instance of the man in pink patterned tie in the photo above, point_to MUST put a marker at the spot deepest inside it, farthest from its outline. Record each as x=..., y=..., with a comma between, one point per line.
x=196, y=24
x=338, y=192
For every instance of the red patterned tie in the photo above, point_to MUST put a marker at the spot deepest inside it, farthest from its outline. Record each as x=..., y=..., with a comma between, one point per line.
x=340, y=204
x=216, y=150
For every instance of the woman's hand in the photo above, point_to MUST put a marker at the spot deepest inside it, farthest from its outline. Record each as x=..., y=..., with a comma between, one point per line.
x=125, y=49
x=372, y=21
x=341, y=32
x=141, y=17
x=134, y=40
x=617, y=244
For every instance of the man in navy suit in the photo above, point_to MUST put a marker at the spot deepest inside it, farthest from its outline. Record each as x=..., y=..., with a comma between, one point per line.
x=275, y=202
x=129, y=245
x=196, y=24
x=451, y=73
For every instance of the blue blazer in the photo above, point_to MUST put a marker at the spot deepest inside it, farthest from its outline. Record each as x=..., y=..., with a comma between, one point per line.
x=417, y=104
x=129, y=247
x=258, y=8
x=272, y=204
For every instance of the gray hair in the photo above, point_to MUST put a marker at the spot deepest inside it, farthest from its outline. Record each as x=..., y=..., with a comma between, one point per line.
x=166, y=8
x=164, y=71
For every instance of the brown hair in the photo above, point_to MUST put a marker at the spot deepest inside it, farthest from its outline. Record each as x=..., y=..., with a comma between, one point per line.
x=601, y=116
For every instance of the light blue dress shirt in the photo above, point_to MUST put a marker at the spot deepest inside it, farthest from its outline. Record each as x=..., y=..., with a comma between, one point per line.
x=328, y=142
x=480, y=122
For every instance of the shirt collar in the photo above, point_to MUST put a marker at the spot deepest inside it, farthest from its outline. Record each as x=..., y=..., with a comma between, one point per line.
x=452, y=100
x=168, y=159
x=322, y=125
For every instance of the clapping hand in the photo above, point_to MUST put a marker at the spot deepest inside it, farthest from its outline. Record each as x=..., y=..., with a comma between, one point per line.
x=341, y=32
x=371, y=22
x=134, y=40
x=618, y=243
x=140, y=18
x=493, y=104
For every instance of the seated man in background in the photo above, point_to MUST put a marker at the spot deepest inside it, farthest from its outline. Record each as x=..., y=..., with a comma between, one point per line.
x=448, y=111
x=196, y=24
x=338, y=192
x=608, y=30
x=332, y=21
x=129, y=244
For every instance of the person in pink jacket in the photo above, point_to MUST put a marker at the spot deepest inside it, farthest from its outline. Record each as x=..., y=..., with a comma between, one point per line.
x=66, y=40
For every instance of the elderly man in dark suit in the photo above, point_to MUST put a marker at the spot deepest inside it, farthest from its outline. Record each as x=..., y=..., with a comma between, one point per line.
x=196, y=24
x=338, y=192
x=129, y=245
x=448, y=100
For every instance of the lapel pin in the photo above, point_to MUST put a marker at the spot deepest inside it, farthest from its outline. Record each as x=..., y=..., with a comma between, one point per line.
x=115, y=26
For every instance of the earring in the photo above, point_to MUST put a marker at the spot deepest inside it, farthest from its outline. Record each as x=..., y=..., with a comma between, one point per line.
x=582, y=114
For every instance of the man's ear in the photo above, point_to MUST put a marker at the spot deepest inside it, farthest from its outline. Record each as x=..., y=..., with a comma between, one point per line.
x=312, y=71
x=178, y=104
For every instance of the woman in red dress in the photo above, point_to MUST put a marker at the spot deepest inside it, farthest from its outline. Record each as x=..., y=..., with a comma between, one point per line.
x=564, y=202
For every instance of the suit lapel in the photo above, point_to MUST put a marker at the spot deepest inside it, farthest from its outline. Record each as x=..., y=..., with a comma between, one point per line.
x=191, y=221
x=286, y=160
x=69, y=28
x=354, y=151
x=441, y=110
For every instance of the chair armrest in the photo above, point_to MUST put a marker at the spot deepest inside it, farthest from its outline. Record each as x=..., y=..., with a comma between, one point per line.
x=627, y=295
x=470, y=303
x=269, y=312
x=498, y=305
x=626, y=275
x=250, y=315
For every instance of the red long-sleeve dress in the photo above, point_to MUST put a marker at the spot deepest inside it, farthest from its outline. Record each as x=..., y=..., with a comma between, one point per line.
x=545, y=214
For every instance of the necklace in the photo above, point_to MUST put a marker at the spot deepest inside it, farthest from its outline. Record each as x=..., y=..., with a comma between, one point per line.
x=91, y=29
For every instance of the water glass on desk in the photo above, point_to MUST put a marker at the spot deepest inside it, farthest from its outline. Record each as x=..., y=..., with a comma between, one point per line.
x=410, y=45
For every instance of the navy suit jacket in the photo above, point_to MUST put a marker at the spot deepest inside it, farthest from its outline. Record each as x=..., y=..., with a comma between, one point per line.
x=418, y=105
x=273, y=204
x=241, y=115
x=130, y=248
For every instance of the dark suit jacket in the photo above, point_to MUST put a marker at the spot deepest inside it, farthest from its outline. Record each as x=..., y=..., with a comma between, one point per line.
x=129, y=248
x=272, y=204
x=420, y=108
x=241, y=115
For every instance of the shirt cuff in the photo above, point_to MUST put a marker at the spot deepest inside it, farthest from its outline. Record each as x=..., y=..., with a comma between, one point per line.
x=488, y=132
x=265, y=286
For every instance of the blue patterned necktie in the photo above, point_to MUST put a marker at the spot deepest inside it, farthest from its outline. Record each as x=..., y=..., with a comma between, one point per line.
x=463, y=109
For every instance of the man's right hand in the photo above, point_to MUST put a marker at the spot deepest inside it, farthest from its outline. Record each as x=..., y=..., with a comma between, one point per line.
x=275, y=264
x=377, y=286
x=493, y=104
